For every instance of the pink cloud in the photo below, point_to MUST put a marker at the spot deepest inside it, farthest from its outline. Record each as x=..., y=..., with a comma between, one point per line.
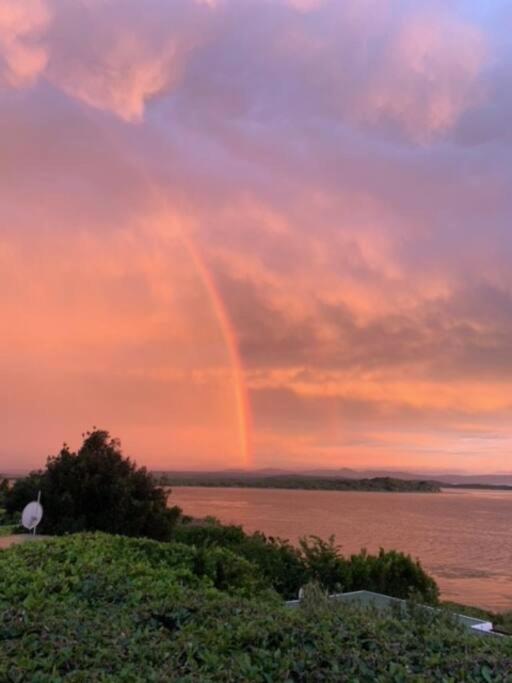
x=320, y=165
x=427, y=76
x=23, y=57
x=116, y=56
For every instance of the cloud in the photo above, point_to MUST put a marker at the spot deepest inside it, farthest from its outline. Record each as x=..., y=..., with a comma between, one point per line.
x=22, y=54
x=115, y=56
x=108, y=54
x=421, y=74
x=325, y=184
x=305, y=5
x=426, y=76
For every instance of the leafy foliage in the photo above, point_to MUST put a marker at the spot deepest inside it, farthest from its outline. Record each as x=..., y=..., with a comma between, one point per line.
x=392, y=573
x=96, y=488
x=325, y=564
x=92, y=607
x=502, y=621
x=287, y=568
x=8, y=521
x=278, y=561
x=4, y=490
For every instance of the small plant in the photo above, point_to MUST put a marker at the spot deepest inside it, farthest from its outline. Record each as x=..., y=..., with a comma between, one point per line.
x=314, y=599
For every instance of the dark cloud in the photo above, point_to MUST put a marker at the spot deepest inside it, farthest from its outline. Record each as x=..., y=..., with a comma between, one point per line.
x=465, y=335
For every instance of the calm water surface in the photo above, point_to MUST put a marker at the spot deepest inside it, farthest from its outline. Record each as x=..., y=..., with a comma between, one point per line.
x=463, y=538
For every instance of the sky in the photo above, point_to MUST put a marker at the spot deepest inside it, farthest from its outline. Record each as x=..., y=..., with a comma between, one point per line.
x=257, y=233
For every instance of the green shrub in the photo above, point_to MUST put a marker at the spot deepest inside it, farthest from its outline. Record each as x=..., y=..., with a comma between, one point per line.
x=279, y=562
x=114, y=609
x=502, y=621
x=4, y=490
x=325, y=564
x=210, y=532
x=96, y=489
x=227, y=570
x=287, y=568
x=392, y=573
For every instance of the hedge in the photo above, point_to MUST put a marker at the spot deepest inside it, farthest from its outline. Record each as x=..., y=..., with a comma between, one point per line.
x=93, y=607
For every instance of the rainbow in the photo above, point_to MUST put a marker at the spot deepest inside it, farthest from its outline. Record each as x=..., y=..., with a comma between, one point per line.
x=243, y=411
x=242, y=406
x=230, y=339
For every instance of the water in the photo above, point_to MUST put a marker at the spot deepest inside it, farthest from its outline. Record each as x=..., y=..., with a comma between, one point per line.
x=463, y=538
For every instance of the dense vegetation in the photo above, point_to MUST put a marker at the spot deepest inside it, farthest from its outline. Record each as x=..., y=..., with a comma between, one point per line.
x=96, y=489
x=4, y=491
x=7, y=521
x=286, y=568
x=97, y=607
x=208, y=604
x=296, y=481
x=501, y=621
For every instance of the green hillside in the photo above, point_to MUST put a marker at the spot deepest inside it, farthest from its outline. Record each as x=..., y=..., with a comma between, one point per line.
x=94, y=607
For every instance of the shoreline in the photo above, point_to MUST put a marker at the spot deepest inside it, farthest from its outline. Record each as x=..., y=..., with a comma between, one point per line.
x=373, y=485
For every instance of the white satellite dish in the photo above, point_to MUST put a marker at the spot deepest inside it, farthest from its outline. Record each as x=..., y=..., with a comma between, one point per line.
x=32, y=514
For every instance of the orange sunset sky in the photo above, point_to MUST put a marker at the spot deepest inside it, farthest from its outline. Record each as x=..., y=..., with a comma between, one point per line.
x=257, y=233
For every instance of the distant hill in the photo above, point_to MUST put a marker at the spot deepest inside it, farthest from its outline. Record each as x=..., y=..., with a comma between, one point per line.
x=441, y=478
x=304, y=482
x=464, y=480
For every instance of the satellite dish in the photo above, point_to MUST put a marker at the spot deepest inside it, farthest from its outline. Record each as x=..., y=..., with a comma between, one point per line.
x=32, y=515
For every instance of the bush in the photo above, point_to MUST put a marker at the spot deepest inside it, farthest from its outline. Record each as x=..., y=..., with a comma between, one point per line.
x=325, y=565
x=98, y=608
x=4, y=490
x=392, y=573
x=287, y=568
x=96, y=489
x=278, y=561
x=502, y=621
x=7, y=521
x=388, y=572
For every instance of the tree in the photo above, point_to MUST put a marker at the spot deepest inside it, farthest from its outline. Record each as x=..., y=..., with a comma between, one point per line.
x=4, y=490
x=96, y=489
